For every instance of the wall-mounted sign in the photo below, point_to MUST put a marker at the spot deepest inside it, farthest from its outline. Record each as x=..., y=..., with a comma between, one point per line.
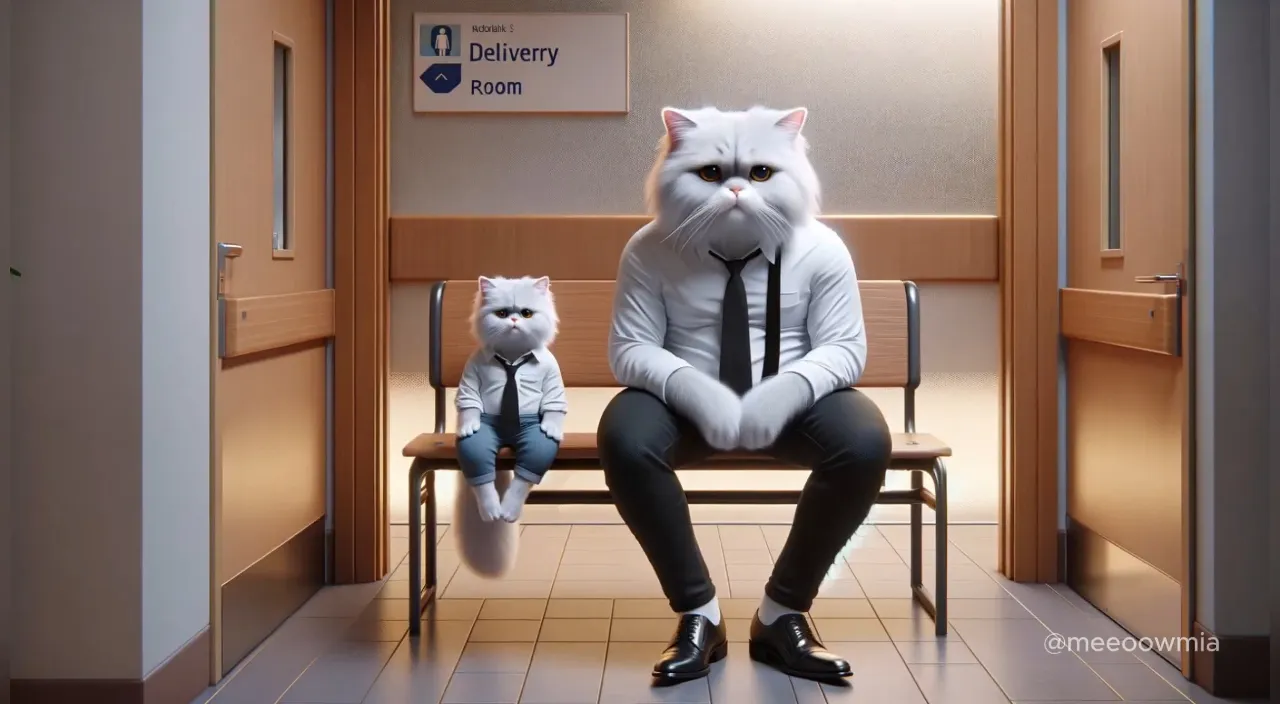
x=533, y=62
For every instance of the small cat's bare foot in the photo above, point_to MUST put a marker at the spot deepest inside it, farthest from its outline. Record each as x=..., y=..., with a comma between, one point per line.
x=487, y=501
x=514, y=498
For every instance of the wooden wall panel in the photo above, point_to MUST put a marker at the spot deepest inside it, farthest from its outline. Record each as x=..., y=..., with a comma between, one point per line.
x=360, y=66
x=1140, y=321
x=262, y=323
x=1028, y=212
x=440, y=248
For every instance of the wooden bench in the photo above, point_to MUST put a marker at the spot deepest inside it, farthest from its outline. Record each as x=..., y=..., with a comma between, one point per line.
x=891, y=310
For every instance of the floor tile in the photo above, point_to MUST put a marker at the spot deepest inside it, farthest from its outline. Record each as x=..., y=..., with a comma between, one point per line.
x=513, y=609
x=850, y=629
x=841, y=608
x=454, y=609
x=342, y=675
x=899, y=608
x=1013, y=652
x=879, y=676
x=281, y=659
x=476, y=588
x=957, y=684
x=394, y=590
x=842, y=589
x=508, y=658
x=421, y=667
x=565, y=673
x=748, y=572
x=740, y=680
x=738, y=630
x=747, y=557
x=874, y=556
x=736, y=608
x=986, y=608
x=603, y=557
x=970, y=589
x=1135, y=682
x=575, y=630
x=935, y=652
x=344, y=601
x=922, y=628
x=483, y=688
x=505, y=631
x=639, y=571
x=742, y=538
x=628, y=678
x=885, y=589
x=599, y=589
x=367, y=629
x=642, y=630
x=579, y=608
x=642, y=608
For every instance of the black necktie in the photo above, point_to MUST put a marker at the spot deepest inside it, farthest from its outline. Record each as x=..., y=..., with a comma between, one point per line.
x=735, y=331
x=509, y=417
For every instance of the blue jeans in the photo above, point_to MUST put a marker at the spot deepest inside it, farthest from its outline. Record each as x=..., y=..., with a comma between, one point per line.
x=478, y=452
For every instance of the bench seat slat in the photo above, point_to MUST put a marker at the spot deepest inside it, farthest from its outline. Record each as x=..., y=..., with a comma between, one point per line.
x=582, y=446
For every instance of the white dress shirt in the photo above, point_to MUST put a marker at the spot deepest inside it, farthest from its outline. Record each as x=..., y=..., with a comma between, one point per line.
x=667, y=310
x=539, y=381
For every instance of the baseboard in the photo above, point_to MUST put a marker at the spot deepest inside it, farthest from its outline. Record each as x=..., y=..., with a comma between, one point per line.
x=259, y=599
x=176, y=681
x=1237, y=669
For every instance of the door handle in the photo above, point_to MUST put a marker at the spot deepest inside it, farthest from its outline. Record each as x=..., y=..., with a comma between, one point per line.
x=225, y=251
x=1158, y=279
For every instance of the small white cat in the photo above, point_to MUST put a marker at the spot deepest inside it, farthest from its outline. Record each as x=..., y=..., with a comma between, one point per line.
x=511, y=395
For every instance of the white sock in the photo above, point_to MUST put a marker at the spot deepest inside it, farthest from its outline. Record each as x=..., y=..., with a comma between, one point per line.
x=513, y=499
x=771, y=611
x=487, y=501
x=711, y=610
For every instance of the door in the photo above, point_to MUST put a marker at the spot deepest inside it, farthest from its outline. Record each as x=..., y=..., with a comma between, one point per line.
x=1124, y=311
x=275, y=316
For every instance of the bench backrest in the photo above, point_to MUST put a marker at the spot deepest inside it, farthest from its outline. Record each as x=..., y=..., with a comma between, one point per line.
x=891, y=310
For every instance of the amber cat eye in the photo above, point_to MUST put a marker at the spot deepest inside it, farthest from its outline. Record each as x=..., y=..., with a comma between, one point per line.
x=526, y=313
x=761, y=173
x=709, y=173
x=502, y=312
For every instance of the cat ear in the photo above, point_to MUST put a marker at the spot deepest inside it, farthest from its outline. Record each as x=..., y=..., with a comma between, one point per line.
x=487, y=284
x=542, y=285
x=678, y=124
x=793, y=120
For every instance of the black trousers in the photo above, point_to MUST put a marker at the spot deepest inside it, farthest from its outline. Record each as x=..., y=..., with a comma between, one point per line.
x=842, y=437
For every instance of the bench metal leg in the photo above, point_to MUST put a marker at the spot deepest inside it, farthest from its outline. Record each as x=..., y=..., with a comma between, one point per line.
x=422, y=480
x=936, y=603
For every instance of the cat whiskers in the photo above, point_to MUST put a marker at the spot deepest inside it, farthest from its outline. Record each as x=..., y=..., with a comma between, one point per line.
x=694, y=222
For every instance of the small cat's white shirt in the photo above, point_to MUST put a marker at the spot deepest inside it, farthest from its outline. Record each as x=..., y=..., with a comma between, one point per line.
x=484, y=379
x=666, y=313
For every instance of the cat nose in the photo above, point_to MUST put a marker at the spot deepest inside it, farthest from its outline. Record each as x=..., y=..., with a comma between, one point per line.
x=735, y=189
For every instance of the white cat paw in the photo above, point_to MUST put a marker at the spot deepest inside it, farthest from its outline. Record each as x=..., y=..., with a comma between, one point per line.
x=722, y=433
x=488, y=504
x=468, y=428
x=553, y=430
x=767, y=408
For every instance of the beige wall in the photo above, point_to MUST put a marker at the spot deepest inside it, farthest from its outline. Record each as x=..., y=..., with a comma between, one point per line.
x=111, y=334
x=903, y=100
x=1233, y=280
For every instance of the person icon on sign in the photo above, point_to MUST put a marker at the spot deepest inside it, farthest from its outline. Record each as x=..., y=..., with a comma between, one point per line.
x=442, y=40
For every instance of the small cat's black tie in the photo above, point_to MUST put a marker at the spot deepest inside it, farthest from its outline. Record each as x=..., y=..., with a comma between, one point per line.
x=509, y=417
x=735, y=330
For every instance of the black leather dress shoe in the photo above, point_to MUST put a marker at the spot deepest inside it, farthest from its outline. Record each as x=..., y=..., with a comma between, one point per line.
x=695, y=645
x=789, y=646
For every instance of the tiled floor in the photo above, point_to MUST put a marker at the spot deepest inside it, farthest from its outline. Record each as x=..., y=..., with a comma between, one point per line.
x=581, y=620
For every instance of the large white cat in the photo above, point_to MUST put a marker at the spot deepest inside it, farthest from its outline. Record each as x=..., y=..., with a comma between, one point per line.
x=731, y=181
